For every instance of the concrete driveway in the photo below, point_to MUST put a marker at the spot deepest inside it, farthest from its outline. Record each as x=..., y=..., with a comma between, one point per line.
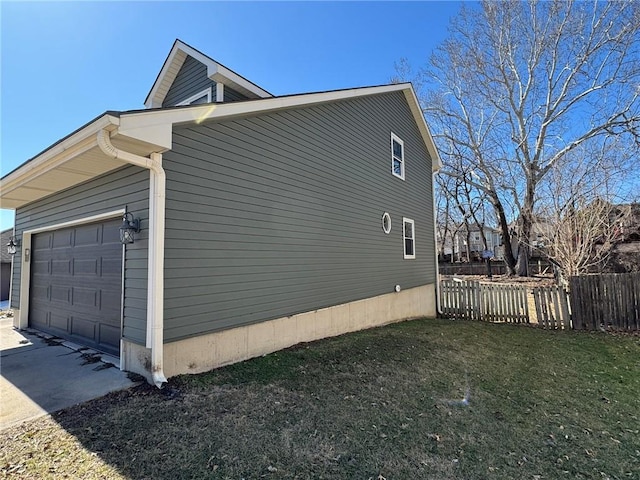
x=41, y=374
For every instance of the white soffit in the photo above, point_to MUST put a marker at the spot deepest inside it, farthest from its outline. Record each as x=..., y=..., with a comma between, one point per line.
x=75, y=160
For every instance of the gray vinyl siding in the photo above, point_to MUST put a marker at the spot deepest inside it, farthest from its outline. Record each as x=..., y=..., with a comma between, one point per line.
x=128, y=187
x=5, y=278
x=230, y=95
x=277, y=214
x=191, y=79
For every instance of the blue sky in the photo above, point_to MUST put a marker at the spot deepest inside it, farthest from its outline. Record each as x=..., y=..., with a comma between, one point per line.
x=65, y=63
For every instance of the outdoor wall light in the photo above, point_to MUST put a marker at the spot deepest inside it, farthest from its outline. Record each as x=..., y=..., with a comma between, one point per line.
x=129, y=226
x=12, y=246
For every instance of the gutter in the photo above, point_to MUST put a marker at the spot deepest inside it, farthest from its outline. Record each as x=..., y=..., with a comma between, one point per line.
x=155, y=283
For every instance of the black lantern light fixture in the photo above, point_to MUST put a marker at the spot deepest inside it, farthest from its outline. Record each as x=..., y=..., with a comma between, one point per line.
x=12, y=246
x=129, y=226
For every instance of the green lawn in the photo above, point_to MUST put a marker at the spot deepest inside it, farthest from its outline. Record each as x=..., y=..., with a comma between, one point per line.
x=383, y=403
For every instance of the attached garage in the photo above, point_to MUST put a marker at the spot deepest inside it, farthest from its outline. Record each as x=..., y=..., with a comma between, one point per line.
x=76, y=284
x=237, y=216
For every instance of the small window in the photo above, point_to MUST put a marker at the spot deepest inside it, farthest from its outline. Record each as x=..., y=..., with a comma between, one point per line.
x=397, y=156
x=201, y=97
x=409, y=238
x=386, y=222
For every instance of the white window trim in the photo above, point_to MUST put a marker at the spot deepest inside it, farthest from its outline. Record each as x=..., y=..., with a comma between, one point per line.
x=207, y=92
x=413, y=229
x=386, y=215
x=393, y=157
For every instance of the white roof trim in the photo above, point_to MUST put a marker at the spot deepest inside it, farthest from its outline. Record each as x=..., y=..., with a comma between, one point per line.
x=215, y=71
x=75, y=144
x=145, y=120
x=414, y=104
x=152, y=131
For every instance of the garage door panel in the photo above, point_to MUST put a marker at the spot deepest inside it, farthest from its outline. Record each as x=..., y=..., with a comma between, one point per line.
x=76, y=281
x=61, y=293
x=89, y=235
x=61, y=267
x=85, y=266
x=62, y=238
x=40, y=267
x=83, y=327
x=112, y=265
x=58, y=322
x=109, y=334
x=40, y=292
x=109, y=298
x=41, y=241
x=85, y=297
x=112, y=236
x=38, y=317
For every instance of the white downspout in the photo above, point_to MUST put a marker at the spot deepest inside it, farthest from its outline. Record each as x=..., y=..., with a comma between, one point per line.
x=435, y=238
x=155, y=282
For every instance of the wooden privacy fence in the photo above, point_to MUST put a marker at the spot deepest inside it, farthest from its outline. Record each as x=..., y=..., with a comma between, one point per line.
x=606, y=301
x=595, y=302
x=552, y=307
x=480, y=301
x=460, y=300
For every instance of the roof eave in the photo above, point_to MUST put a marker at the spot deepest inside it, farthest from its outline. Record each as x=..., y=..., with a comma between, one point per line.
x=204, y=112
x=76, y=159
x=151, y=131
x=414, y=104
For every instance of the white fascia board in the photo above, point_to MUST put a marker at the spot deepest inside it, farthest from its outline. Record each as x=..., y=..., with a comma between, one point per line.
x=158, y=134
x=163, y=119
x=204, y=112
x=412, y=99
x=167, y=74
x=220, y=73
x=215, y=71
x=71, y=146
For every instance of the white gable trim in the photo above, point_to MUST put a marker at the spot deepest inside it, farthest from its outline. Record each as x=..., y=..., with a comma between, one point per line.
x=152, y=131
x=206, y=92
x=215, y=71
x=414, y=104
x=147, y=120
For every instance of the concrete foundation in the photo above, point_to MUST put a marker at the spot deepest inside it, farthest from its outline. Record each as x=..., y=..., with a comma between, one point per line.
x=205, y=352
x=136, y=358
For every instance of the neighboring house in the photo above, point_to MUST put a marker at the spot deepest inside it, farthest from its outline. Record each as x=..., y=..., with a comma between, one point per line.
x=264, y=221
x=5, y=265
x=541, y=231
x=454, y=247
x=629, y=228
x=626, y=252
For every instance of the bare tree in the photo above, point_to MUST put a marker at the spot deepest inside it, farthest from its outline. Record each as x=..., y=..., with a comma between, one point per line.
x=519, y=85
x=461, y=209
x=581, y=206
